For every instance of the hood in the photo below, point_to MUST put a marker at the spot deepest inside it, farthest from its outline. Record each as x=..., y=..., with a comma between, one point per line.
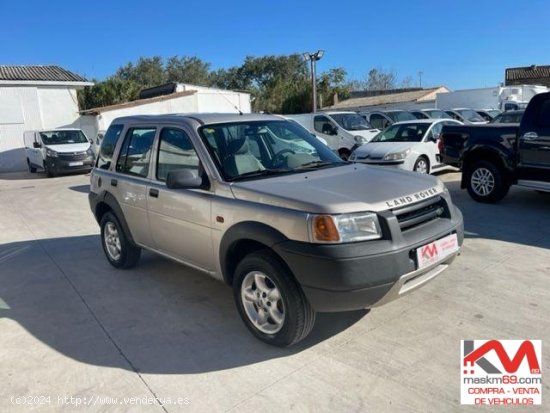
x=377, y=150
x=344, y=189
x=69, y=147
x=368, y=134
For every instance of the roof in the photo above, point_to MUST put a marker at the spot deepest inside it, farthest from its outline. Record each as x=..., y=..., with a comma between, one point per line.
x=205, y=118
x=413, y=96
x=527, y=72
x=135, y=103
x=39, y=74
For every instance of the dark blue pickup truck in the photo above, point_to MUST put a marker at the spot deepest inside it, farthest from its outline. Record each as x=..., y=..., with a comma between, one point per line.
x=495, y=157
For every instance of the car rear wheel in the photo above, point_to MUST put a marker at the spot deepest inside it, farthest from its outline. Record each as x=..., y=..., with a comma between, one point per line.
x=270, y=302
x=120, y=252
x=422, y=165
x=485, y=182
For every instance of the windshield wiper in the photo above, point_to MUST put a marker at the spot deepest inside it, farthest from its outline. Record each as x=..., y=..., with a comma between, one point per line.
x=318, y=164
x=261, y=172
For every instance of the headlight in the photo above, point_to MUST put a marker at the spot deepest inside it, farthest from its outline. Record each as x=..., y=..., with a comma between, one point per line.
x=344, y=228
x=51, y=153
x=360, y=140
x=397, y=156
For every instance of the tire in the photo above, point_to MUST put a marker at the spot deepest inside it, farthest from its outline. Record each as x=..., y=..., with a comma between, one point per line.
x=50, y=173
x=422, y=165
x=292, y=308
x=32, y=169
x=113, y=238
x=486, y=183
x=344, y=154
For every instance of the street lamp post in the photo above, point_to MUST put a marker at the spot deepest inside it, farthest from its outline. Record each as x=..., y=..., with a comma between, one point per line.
x=314, y=57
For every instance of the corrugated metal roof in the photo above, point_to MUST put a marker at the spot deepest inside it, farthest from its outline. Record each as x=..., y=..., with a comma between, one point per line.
x=528, y=72
x=403, y=97
x=39, y=73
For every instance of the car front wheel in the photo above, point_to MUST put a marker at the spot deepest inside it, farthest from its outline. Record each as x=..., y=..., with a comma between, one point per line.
x=270, y=302
x=422, y=165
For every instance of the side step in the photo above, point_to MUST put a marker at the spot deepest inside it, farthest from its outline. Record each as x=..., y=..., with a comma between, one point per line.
x=538, y=185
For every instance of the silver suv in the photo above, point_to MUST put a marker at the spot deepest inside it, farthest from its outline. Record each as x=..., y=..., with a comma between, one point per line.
x=259, y=203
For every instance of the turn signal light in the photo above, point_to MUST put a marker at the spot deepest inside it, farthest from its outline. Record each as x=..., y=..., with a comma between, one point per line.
x=324, y=229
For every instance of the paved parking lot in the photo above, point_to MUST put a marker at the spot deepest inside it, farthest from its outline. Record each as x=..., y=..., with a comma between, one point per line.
x=72, y=326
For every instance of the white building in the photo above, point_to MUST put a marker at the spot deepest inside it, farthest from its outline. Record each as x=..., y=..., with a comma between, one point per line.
x=32, y=98
x=184, y=98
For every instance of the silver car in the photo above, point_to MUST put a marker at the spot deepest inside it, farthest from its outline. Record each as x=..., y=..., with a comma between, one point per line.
x=259, y=203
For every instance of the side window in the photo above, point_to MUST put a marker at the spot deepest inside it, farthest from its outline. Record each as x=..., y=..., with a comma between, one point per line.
x=107, y=147
x=175, y=152
x=135, y=153
x=543, y=118
x=322, y=124
x=378, y=121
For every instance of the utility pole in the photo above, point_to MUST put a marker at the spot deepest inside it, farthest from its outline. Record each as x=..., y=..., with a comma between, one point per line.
x=313, y=58
x=420, y=78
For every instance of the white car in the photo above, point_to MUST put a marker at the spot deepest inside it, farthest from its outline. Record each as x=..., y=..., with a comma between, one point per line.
x=410, y=145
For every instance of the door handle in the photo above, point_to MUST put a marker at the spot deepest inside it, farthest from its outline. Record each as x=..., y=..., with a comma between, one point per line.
x=154, y=193
x=530, y=136
x=114, y=182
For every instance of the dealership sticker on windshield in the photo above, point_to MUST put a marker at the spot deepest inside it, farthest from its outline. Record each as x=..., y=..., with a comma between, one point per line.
x=431, y=253
x=501, y=372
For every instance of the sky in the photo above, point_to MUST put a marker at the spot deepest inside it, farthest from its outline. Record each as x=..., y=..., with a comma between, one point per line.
x=460, y=44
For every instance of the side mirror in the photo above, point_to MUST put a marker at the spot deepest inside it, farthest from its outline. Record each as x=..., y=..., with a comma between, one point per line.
x=183, y=179
x=36, y=144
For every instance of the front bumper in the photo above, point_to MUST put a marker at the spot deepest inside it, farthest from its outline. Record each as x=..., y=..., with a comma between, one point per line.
x=366, y=274
x=69, y=163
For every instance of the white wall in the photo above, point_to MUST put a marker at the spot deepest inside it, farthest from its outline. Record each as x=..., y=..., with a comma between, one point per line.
x=30, y=108
x=223, y=101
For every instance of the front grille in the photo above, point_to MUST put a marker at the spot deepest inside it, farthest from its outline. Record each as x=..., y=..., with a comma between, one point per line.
x=413, y=215
x=73, y=156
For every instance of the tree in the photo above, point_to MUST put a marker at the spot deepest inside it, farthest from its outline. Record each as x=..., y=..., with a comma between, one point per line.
x=407, y=82
x=188, y=70
x=333, y=83
x=379, y=79
x=147, y=72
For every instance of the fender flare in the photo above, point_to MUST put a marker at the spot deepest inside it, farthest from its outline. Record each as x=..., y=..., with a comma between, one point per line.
x=246, y=230
x=109, y=200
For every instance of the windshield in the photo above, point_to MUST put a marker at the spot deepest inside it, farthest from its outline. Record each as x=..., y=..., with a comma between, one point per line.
x=470, y=115
x=63, y=137
x=438, y=114
x=508, y=117
x=409, y=132
x=248, y=150
x=350, y=121
x=400, y=116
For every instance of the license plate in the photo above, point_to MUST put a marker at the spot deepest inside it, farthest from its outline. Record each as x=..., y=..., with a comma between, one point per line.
x=76, y=163
x=435, y=251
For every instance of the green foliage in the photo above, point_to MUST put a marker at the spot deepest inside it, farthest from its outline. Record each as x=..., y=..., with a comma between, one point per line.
x=278, y=84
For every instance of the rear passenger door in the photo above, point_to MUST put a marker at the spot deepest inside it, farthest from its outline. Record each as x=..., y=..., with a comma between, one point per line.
x=129, y=184
x=180, y=218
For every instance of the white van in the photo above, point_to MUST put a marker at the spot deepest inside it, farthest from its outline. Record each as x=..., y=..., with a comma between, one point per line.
x=58, y=150
x=343, y=131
